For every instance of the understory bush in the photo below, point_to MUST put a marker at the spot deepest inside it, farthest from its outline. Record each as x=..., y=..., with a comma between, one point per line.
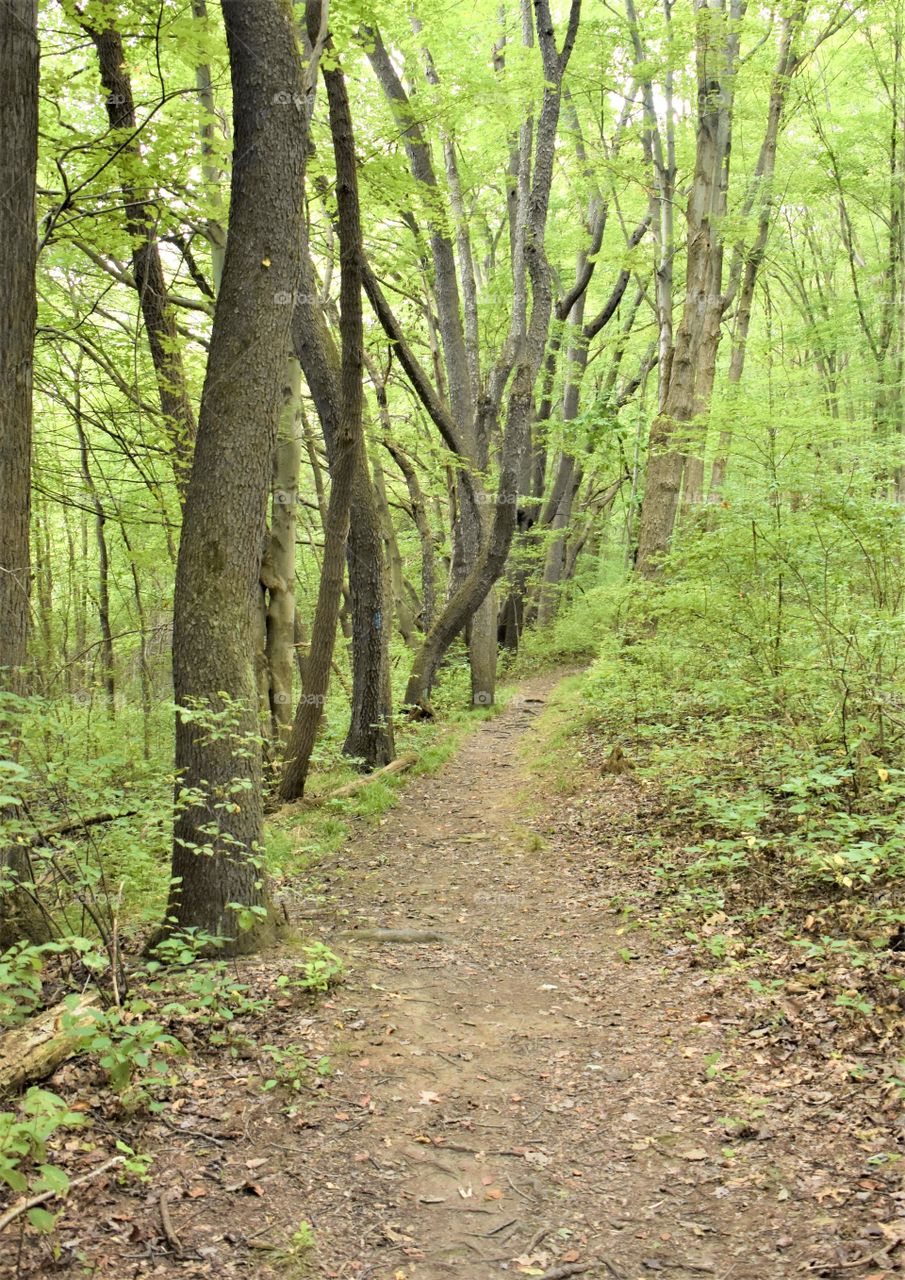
x=759, y=685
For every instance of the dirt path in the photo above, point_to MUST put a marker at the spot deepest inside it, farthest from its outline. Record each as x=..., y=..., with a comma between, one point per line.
x=536, y=1094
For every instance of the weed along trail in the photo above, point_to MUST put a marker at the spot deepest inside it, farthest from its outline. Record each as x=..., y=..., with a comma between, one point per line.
x=524, y=1095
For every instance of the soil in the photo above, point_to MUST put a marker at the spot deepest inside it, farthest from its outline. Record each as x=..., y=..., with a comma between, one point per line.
x=536, y=1090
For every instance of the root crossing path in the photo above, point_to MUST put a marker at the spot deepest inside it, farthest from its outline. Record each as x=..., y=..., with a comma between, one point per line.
x=532, y=1094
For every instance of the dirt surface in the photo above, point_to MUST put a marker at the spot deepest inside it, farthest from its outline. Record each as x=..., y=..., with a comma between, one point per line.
x=536, y=1093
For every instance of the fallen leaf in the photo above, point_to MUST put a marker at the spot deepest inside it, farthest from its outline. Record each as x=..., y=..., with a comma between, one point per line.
x=427, y=1096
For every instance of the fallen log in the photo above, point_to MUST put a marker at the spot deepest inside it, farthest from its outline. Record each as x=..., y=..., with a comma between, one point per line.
x=394, y=935
x=398, y=765
x=34, y=1050
x=77, y=825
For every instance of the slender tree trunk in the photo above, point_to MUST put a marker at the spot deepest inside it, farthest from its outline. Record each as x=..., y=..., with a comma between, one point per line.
x=103, y=559
x=405, y=619
x=422, y=524
x=216, y=845
x=278, y=568
x=210, y=170
x=747, y=266
x=347, y=448
x=672, y=434
x=147, y=268
x=370, y=736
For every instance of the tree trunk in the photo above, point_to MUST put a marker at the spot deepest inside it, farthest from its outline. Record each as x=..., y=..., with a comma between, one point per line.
x=216, y=846
x=150, y=284
x=370, y=736
x=21, y=916
x=348, y=448
x=672, y=433
x=35, y=1050
x=405, y=618
x=422, y=524
x=278, y=567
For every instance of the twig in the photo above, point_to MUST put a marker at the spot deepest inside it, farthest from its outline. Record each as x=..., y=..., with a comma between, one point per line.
x=190, y=1133
x=536, y=1239
x=881, y=1259
x=525, y=1196
x=24, y=1205
x=167, y=1223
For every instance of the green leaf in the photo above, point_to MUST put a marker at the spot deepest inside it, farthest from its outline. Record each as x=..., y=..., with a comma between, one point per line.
x=42, y=1220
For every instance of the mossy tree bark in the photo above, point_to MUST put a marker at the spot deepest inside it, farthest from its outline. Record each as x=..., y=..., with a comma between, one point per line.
x=218, y=756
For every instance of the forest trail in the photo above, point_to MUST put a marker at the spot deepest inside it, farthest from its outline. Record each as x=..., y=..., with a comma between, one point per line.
x=538, y=1093
x=531, y=1095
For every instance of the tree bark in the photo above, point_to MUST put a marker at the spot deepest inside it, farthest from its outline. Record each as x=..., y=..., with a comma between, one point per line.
x=348, y=447
x=21, y=917
x=370, y=736
x=216, y=846
x=278, y=568
x=34, y=1050
x=147, y=268
x=672, y=433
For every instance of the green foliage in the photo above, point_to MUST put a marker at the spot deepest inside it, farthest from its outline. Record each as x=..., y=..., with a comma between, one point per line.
x=24, y=1137
x=759, y=687
x=319, y=970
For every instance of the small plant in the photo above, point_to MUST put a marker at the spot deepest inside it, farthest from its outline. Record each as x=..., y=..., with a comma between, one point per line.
x=318, y=971
x=24, y=1137
x=133, y=1050
x=291, y=1067
x=294, y=1256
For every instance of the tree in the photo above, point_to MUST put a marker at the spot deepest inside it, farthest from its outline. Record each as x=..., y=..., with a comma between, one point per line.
x=347, y=445
x=217, y=834
x=147, y=267
x=18, y=245
x=692, y=363
x=512, y=376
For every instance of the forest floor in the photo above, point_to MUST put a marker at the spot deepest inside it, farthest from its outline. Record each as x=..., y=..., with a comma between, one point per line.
x=537, y=1092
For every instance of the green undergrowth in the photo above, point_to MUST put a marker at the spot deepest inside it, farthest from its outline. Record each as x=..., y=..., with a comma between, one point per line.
x=103, y=886
x=757, y=693
x=765, y=822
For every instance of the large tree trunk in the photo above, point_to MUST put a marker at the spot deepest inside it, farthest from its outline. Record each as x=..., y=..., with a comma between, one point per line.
x=21, y=916
x=216, y=846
